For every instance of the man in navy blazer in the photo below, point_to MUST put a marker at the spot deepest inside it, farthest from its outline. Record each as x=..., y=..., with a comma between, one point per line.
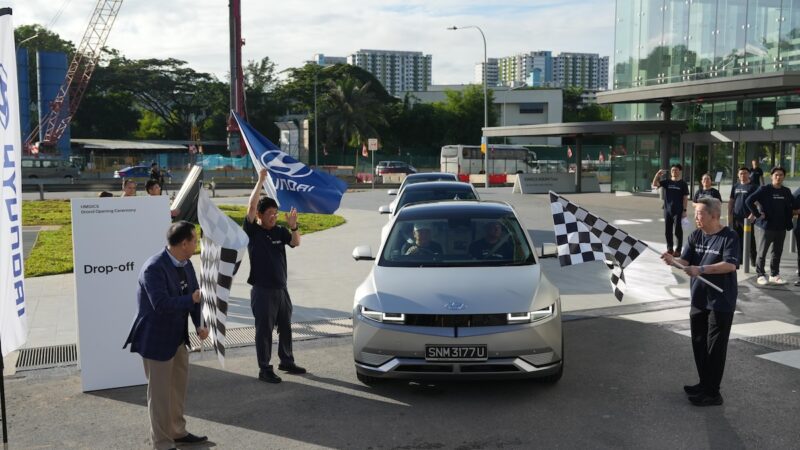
x=168, y=293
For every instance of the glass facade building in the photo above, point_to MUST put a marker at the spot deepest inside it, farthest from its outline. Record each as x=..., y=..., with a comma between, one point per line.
x=662, y=43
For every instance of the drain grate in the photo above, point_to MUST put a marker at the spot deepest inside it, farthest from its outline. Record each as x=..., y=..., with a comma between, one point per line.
x=777, y=342
x=65, y=355
x=42, y=357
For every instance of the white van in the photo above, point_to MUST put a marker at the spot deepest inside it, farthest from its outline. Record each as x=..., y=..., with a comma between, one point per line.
x=49, y=167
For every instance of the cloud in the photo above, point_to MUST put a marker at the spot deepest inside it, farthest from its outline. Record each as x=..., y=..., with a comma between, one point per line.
x=290, y=33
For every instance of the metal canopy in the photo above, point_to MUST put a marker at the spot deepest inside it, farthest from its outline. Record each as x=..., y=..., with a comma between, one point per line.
x=588, y=128
x=722, y=88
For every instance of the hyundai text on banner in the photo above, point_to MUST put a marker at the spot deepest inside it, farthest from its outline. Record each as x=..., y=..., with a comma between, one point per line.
x=13, y=317
x=297, y=185
x=112, y=238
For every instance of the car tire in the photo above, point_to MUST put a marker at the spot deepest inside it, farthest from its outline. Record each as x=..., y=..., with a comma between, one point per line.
x=33, y=177
x=366, y=379
x=68, y=177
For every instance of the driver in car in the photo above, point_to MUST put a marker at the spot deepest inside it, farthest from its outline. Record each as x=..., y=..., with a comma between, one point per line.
x=494, y=245
x=422, y=245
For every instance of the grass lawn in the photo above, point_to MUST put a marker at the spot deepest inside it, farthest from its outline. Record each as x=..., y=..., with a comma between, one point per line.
x=52, y=253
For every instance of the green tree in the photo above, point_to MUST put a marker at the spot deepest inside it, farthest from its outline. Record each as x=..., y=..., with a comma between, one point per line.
x=462, y=113
x=351, y=112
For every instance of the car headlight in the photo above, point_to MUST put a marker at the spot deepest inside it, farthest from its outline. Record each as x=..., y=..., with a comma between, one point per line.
x=532, y=316
x=383, y=317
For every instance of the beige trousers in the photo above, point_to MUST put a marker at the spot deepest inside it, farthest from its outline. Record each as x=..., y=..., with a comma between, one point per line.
x=166, y=396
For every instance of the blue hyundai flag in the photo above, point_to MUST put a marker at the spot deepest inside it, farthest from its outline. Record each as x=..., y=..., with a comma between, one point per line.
x=296, y=185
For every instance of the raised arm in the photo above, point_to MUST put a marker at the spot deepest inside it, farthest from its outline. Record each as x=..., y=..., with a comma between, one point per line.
x=657, y=179
x=252, y=206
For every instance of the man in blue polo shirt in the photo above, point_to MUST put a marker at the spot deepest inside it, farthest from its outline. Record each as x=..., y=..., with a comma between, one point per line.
x=738, y=212
x=711, y=251
x=676, y=196
x=777, y=205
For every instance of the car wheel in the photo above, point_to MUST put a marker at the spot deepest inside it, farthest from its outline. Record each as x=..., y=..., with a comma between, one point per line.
x=68, y=177
x=366, y=379
x=33, y=177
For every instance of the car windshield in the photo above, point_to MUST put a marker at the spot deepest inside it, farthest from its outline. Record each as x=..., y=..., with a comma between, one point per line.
x=427, y=195
x=490, y=240
x=427, y=178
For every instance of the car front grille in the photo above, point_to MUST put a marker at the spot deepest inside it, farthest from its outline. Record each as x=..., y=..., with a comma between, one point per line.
x=456, y=320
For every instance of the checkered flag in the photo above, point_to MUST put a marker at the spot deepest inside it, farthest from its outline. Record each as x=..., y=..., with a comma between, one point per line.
x=223, y=246
x=604, y=242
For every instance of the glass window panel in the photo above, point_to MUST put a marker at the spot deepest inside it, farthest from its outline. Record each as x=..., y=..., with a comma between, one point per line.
x=729, y=47
x=651, y=42
x=676, y=32
x=701, y=39
x=626, y=43
x=790, y=35
x=763, y=31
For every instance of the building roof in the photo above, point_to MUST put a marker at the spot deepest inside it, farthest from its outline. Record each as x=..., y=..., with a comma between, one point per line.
x=114, y=144
x=588, y=128
x=722, y=88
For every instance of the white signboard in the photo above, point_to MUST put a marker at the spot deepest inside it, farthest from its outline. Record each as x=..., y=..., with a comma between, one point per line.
x=372, y=144
x=542, y=183
x=112, y=238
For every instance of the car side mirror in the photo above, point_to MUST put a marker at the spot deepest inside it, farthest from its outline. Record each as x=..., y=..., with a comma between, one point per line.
x=548, y=250
x=363, y=252
x=392, y=192
x=384, y=209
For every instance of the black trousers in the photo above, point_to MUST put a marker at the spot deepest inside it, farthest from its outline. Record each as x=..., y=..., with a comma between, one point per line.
x=710, y=332
x=738, y=227
x=766, y=239
x=673, y=222
x=271, y=308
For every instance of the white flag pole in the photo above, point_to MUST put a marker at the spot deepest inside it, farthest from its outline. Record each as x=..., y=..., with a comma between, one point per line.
x=682, y=267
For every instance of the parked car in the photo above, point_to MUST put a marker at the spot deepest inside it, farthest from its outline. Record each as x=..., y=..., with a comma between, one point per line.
x=140, y=171
x=386, y=167
x=424, y=177
x=49, y=167
x=451, y=311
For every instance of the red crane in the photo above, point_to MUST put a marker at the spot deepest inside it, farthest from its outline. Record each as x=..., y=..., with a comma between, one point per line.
x=235, y=145
x=78, y=75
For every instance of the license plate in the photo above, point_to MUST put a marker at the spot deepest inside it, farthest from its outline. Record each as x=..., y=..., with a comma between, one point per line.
x=456, y=353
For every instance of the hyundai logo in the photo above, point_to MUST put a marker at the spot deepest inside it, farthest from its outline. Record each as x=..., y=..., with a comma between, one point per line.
x=3, y=97
x=284, y=164
x=455, y=306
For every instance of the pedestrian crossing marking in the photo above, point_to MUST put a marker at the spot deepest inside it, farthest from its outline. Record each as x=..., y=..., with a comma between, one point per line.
x=664, y=315
x=763, y=328
x=789, y=358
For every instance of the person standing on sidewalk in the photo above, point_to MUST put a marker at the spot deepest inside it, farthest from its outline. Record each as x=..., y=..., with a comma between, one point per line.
x=777, y=205
x=738, y=212
x=168, y=294
x=796, y=231
x=711, y=251
x=676, y=196
x=269, y=297
x=706, y=189
x=756, y=174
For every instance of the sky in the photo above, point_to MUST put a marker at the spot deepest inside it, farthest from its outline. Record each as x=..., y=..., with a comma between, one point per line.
x=290, y=32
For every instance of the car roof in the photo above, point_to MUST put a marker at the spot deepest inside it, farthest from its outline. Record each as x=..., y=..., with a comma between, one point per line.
x=433, y=185
x=431, y=175
x=447, y=208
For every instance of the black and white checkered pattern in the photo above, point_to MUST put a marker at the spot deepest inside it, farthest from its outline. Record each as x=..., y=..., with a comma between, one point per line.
x=223, y=246
x=583, y=237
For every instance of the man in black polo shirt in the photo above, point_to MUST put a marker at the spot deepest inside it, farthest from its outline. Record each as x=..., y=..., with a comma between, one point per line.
x=269, y=297
x=774, y=218
x=738, y=212
x=676, y=195
x=712, y=251
x=756, y=174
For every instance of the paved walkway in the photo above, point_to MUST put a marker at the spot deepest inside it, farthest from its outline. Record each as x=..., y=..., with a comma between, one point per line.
x=323, y=276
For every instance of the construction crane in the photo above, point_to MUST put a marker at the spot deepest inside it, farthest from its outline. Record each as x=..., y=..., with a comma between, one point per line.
x=78, y=75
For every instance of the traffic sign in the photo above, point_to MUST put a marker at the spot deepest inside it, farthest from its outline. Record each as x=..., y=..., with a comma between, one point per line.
x=372, y=144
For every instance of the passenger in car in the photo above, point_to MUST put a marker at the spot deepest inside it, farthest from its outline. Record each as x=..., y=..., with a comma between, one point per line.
x=422, y=245
x=495, y=244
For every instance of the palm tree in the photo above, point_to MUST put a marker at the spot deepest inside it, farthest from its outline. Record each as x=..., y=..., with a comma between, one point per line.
x=351, y=112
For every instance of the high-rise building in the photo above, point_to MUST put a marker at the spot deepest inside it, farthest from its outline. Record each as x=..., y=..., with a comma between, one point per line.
x=491, y=73
x=533, y=68
x=586, y=70
x=321, y=59
x=398, y=71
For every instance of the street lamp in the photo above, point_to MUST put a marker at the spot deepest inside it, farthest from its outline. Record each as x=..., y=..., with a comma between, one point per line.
x=316, y=134
x=27, y=39
x=485, y=96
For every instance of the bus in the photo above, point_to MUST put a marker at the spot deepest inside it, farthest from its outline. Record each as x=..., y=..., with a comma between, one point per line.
x=464, y=160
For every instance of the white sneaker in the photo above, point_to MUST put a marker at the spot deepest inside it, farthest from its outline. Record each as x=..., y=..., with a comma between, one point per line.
x=762, y=281
x=777, y=280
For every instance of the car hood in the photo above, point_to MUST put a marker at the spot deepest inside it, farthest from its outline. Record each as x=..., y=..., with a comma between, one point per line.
x=456, y=290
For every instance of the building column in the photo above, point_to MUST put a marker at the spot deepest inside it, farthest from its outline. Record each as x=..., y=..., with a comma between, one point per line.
x=665, y=137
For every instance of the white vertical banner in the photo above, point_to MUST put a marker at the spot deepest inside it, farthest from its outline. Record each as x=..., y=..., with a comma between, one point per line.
x=112, y=238
x=13, y=316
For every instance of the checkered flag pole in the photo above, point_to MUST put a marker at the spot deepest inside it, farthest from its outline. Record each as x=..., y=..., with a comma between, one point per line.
x=620, y=247
x=223, y=246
